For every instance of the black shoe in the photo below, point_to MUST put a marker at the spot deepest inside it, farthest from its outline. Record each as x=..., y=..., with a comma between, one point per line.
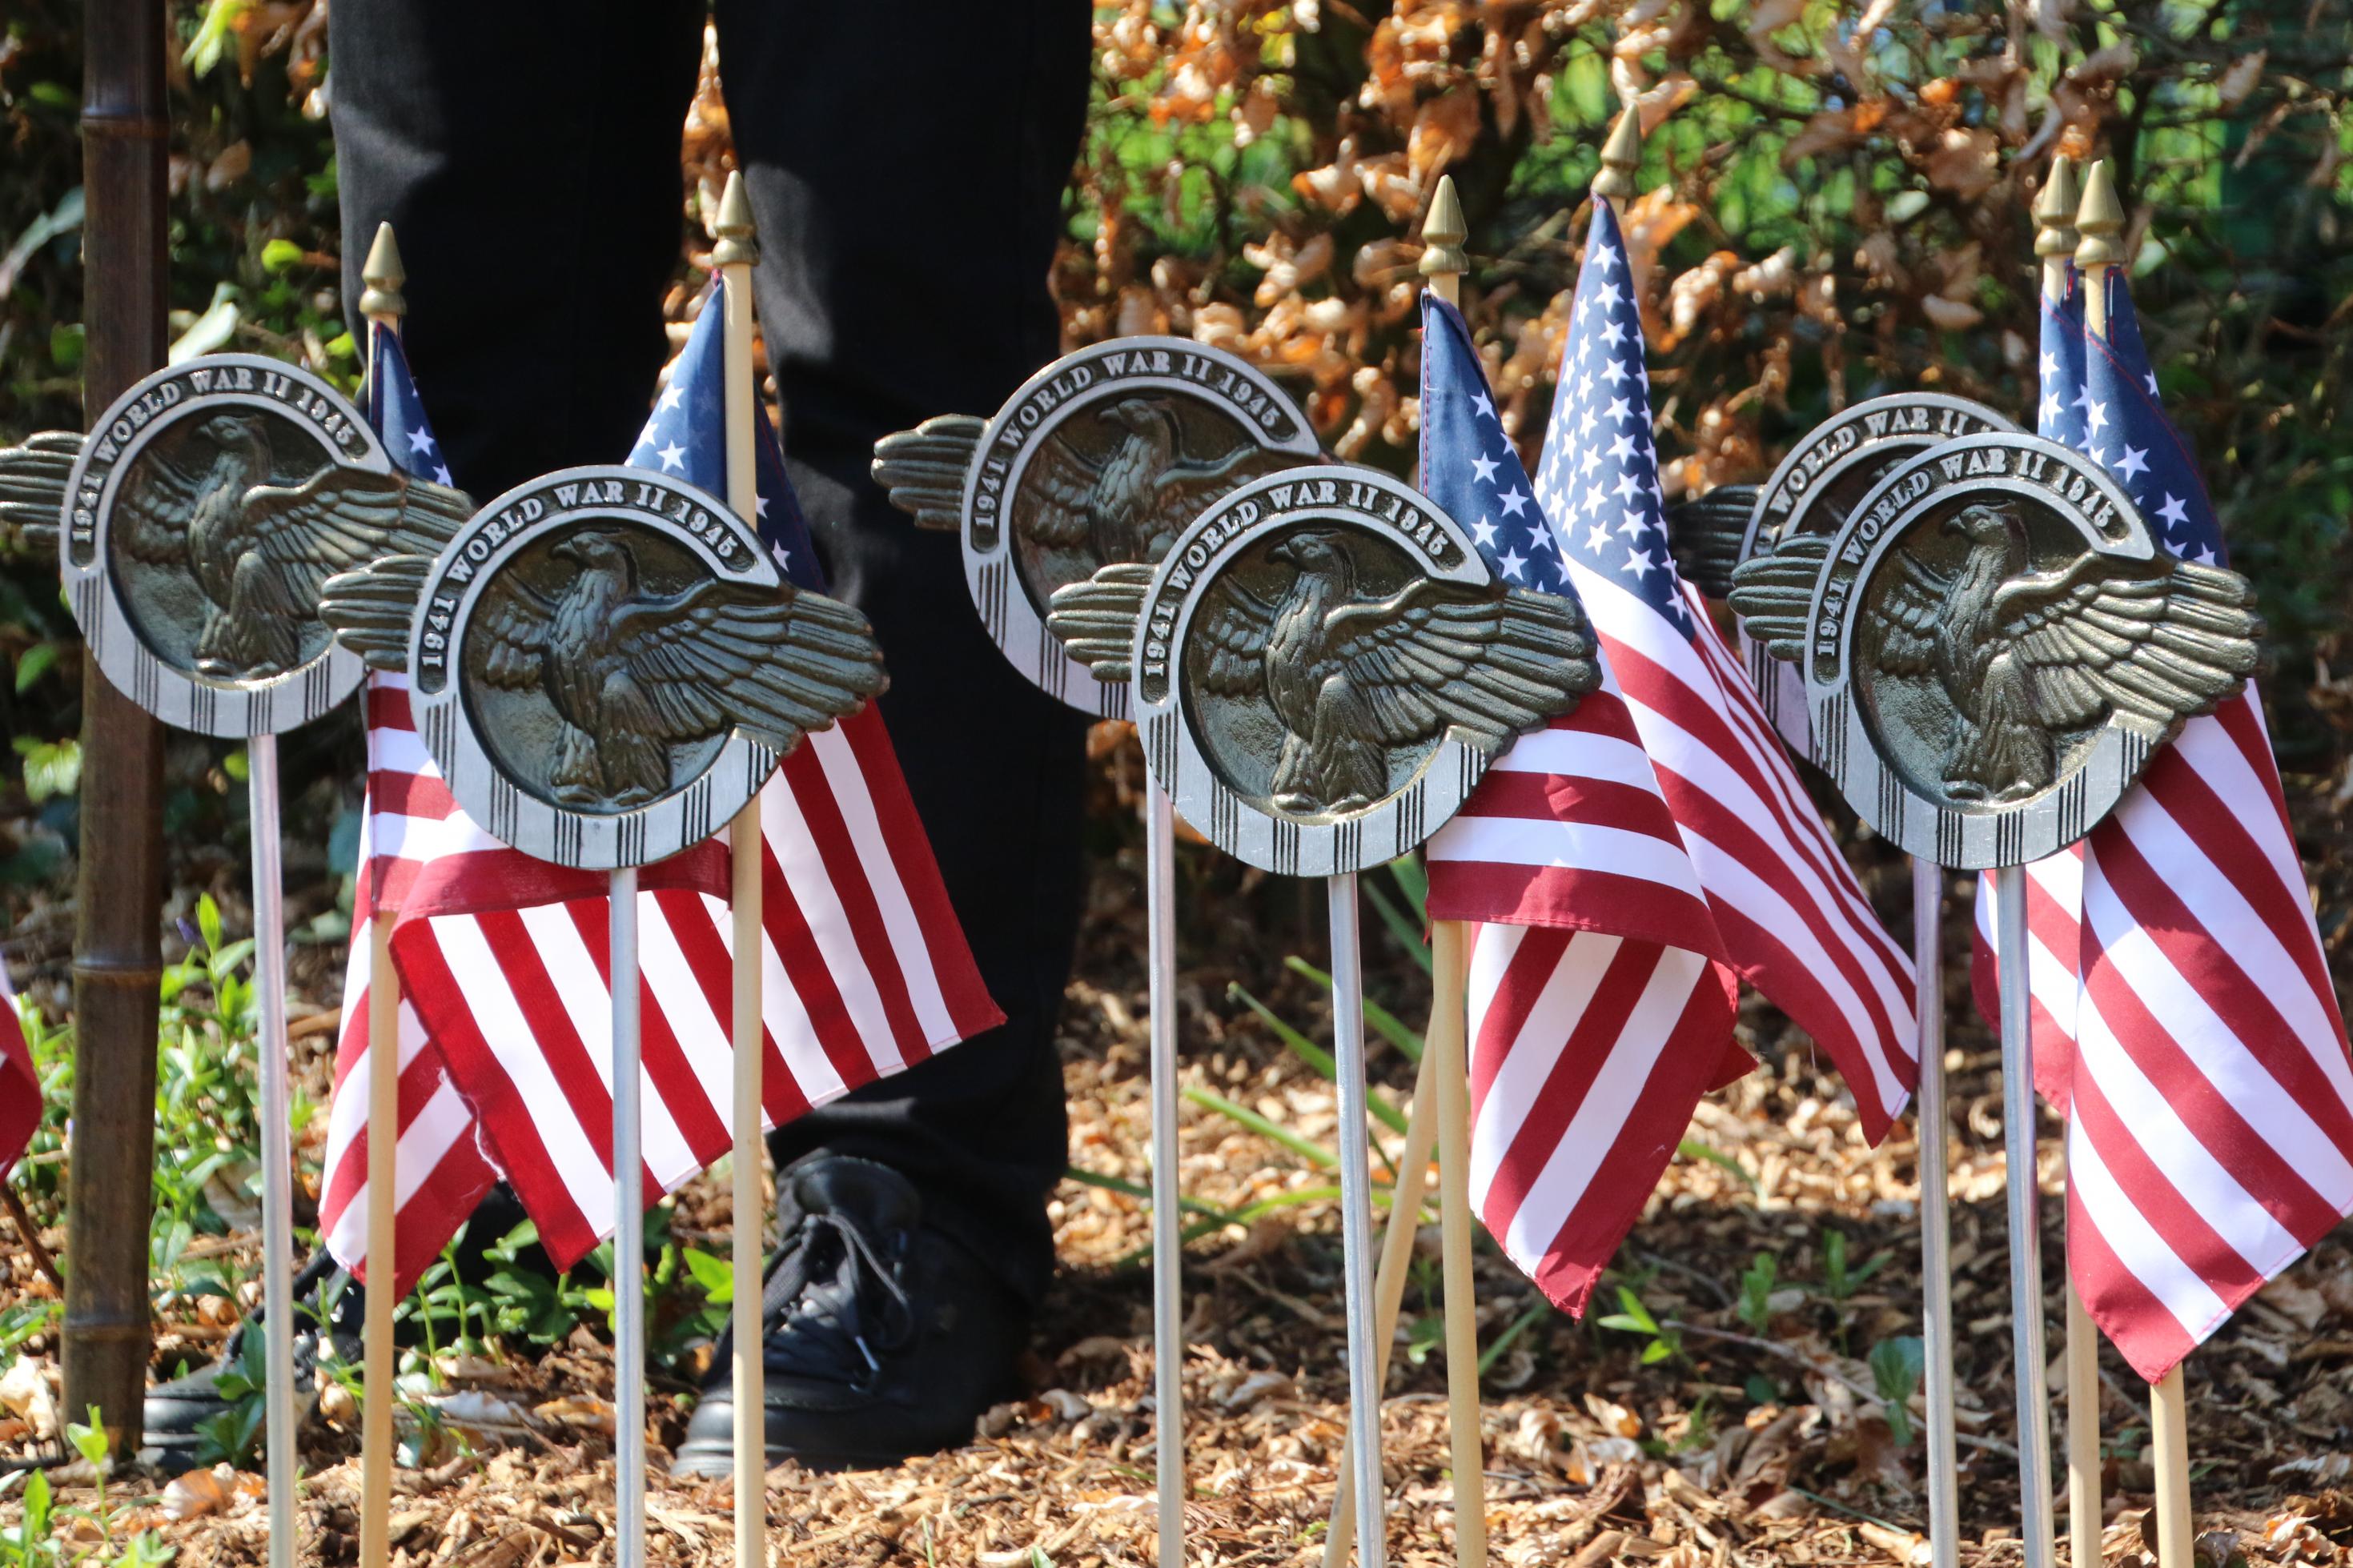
x=884, y=1338
x=177, y=1411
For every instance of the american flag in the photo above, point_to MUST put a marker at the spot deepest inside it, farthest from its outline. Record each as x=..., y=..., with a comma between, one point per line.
x=504, y=965
x=1793, y=920
x=2054, y=886
x=2210, y=1138
x=1600, y=1005
x=20, y=1083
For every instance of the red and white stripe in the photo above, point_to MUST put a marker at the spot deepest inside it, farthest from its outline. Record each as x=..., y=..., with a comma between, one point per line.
x=1794, y=921
x=1599, y=1010
x=20, y=1082
x=2210, y=1139
x=505, y=968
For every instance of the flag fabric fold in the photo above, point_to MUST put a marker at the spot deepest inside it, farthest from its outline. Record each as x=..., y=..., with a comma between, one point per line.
x=2210, y=1138
x=20, y=1083
x=1600, y=1003
x=506, y=1045
x=1790, y=914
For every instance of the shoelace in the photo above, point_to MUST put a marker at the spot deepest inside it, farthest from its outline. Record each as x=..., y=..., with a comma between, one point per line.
x=828, y=1316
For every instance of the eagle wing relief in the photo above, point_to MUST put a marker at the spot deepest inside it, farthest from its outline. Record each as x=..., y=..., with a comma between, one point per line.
x=723, y=655
x=511, y=625
x=2149, y=643
x=1907, y=618
x=33, y=482
x=1190, y=487
x=151, y=517
x=1704, y=534
x=372, y=610
x=1063, y=495
x=922, y=469
x=1433, y=659
x=1094, y=620
x=1234, y=634
x=1774, y=593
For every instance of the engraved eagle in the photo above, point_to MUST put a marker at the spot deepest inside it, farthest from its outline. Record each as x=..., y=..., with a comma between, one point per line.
x=1347, y=676
x=632, y=673
x=1127, y=504
x=1704, y=534
x=2022, y=654
x=258, y=552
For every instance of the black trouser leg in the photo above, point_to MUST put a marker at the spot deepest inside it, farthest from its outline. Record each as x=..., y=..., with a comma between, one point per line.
x=527, y=158
x=906, y=250
x=907, y=221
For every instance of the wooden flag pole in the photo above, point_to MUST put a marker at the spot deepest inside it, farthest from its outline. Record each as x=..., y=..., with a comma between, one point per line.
x=628, y=1232
x=2054, y=244
x=1443, y=262
x=736, y=252
x=384, y=306
x=2100, y=220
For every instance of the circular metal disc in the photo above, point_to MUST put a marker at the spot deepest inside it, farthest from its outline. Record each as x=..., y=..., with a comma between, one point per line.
x=1105, y=457
x=1814, y=490
x=1892, y=733
x=164, y=562
x=581, y=545
x=1277, y=557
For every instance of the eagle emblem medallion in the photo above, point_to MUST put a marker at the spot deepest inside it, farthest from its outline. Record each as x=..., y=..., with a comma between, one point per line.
x=1102, y=458
x=197, y=524
x=1324, y=666
x=1992, y=645
x=607, y=664
x=1814, y=488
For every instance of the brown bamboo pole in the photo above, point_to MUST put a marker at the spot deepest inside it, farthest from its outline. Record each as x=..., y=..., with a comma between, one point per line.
x=384, y=306
x=117, y=965
x=2100, y=221
x=2054, y=243
x=735, y=254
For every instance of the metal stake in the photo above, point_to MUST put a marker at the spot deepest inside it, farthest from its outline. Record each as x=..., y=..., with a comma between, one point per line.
x=277, y=1146
x=2025, y=1232
x=1356, y=1222
x=629, y=1236
x=1167, y=1216
x=1935, y=1213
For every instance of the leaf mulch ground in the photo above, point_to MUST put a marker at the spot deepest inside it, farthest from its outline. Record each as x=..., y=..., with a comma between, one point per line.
x=1747, y=1448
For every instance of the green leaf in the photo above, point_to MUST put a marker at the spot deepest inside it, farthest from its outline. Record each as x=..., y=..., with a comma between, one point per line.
x=1404, y=928
x=211, y=330
x=213, y=35
x=1632, y=1306
x=1312, y=1152
x=209, y=921
x=1655, y=1352
x=33, y=663
x=280, y=253
x=1694, y=1149
x=1384, y=1022
x=714, y=1274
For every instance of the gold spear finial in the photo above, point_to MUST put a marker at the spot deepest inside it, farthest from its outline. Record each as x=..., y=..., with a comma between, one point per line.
x=1443, y=231
x=2054, y=210
x=2101, y=220
x=739, y=242
x=381, y=301
x=1621, y=155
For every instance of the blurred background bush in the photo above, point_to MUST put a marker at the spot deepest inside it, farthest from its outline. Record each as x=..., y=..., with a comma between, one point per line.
x=1834, y=203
